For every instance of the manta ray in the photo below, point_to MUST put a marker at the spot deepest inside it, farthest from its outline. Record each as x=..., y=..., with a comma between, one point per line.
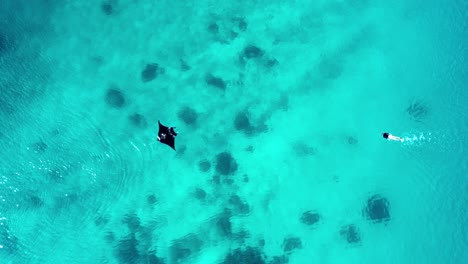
x=166, y=135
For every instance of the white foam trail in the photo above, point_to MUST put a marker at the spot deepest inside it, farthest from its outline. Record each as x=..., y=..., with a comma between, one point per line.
x=135, y=146
x=418, y=138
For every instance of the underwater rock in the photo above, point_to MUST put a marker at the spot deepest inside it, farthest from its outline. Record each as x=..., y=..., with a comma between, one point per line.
x=249, y=255
x=351, y=234
x=377, y=209
x=35, y=201
x=153, y=259
x=228, y=181
x=199, y=194
x=213, y=28
x=291, y=243
x=127, y=250
x=240, y=24
x=109, y=236
x=242, y=123
x=352, y=140
x=251, y=52
x=302, y=149
x=204, y=165
x=417, y=111
x=115, y=98
x=272, y=62
x=138, y=120
x=151, y=199
x=8, y=241
x=107, y=8
x=101, y=220
x=215, y=81
x=241, y=236
x=184, y=66
x=261, y=242
x=216, y=179
x=188, y=115
x=223, y=223
x=132, y=221
x=238, y=206
x=185, y=247
x=3, y=43
x=39, y=147
x=310, y=218
x=150, y=72
x=59, y=173
x=225, y=164
x=279, y=260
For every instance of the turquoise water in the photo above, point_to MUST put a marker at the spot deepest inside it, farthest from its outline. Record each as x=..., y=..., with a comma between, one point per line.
x=279, y=108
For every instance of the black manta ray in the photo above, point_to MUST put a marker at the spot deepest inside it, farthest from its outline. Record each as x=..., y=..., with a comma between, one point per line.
x=166, y=135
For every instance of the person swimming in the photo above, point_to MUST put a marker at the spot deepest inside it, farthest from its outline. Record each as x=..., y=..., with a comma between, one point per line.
x=392, y=137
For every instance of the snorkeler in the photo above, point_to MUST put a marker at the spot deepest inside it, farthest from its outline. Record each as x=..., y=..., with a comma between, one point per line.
x=392, y=137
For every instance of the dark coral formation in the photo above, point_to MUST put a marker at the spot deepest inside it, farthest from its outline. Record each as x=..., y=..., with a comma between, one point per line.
x=199, y=194
x=241, y=236
x=39, y=147
x=8, y=241
x=204, y=165
x=132, y=221
x=151, y=199
x=351, y=234
x=252, y=52
x=279, y=260
x=238, y=205
x=377, y=209
x=242, y=123
x=107, y=8
x=115, y=98
x=249, y=255
x=109, y=237
x=215, y=81
x=153, y=259
x=188, y=115
x=34, y=201
x=310, y=218
x=127, y=250
x=5, y=42
x=271, y=62
x=101, y=220
x=291, y=243
x=226, y=30
x=138, y=120
x=213, y=28
x=184, y=66
x=150, y=72
x=225, y=164
x=239, y=24
x=417, y=111
x=352, y=140
x=216, y=179
x=302, y=149
x=223, y=223
x=185, y=247
x=57, y=174
x=135, y=247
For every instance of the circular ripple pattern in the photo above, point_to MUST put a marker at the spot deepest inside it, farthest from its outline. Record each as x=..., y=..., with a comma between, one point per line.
x=71, y=181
